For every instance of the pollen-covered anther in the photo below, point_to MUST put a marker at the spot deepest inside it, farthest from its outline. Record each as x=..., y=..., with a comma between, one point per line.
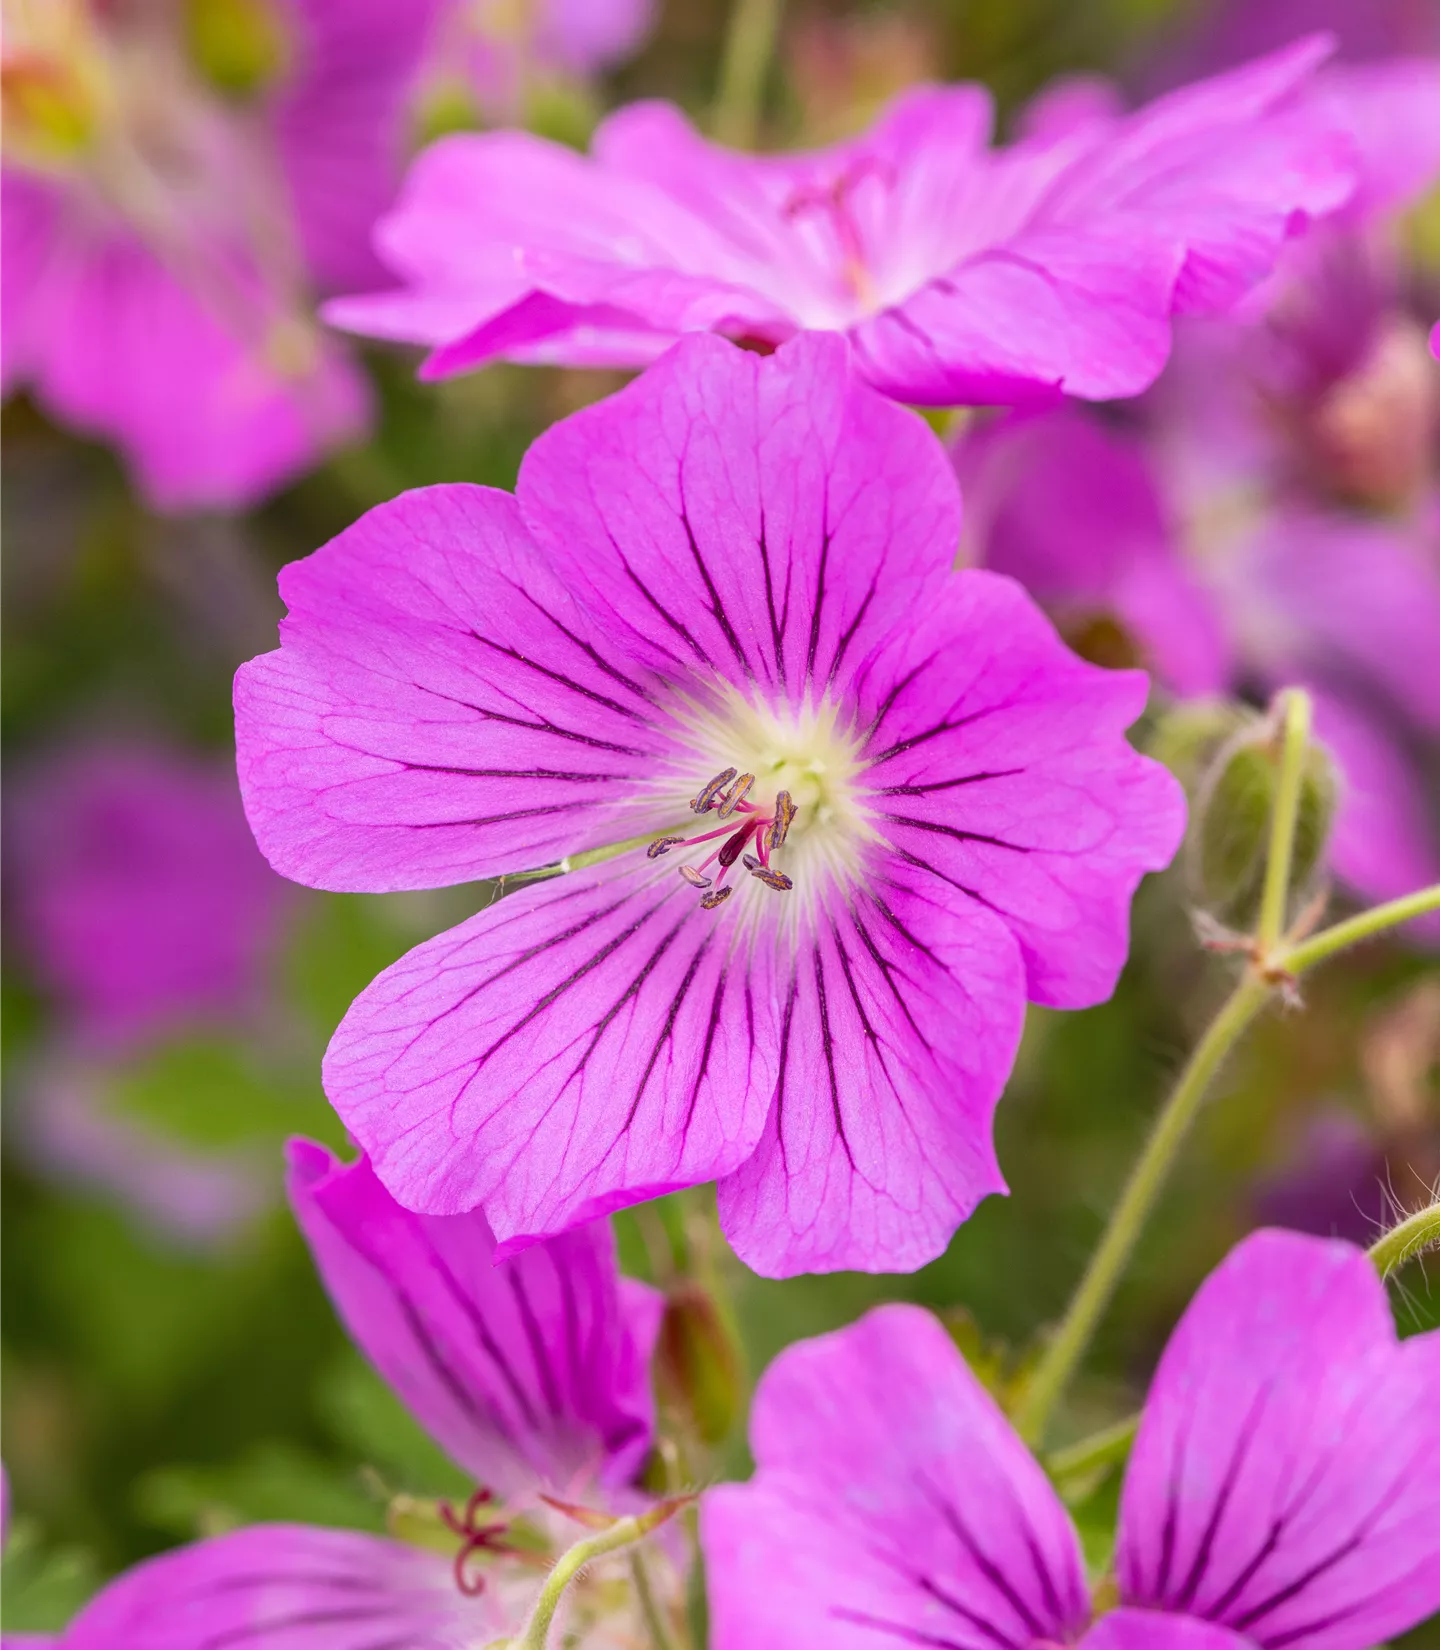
x=779, y=826
x=693, y=877
x=771, y=878
x=718, y=897
x=707, y=798
x=663, y=846
x=735, y=795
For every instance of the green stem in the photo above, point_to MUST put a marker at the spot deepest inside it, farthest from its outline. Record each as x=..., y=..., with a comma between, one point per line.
x=1077, y=1327
x=1411, y=1237
x=749, y=44
x=660, y=1635
x=622, y=1533
x=1100, y=1449
x=1295, y=737
x=1322, y=946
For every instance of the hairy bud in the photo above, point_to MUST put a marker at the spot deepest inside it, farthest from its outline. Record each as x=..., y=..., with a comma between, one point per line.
x=698, y=1368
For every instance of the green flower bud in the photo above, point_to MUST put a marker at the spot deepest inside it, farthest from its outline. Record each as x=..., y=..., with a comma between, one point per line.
x=698, y=1370
x=1230, y=826
x=238, y=45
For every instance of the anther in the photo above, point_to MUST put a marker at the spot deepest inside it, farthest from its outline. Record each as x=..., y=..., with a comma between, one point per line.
x=719, y=897
x=750, y=862
x=663, y=846
x=772, y=879
x=735, y=795
x=692, y=876
x=706, y=799
x=779, y=827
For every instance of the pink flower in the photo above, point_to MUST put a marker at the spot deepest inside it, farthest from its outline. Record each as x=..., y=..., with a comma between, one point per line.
x=174, y=195
x=719, y=618
x=1273, y=512
x=139, y=893
x=532, y=1374
x=1283, y=1492
x=957, y=272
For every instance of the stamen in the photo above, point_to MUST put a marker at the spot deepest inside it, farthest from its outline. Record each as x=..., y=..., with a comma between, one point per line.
x=772, y=879
x=735, y=795
x=706, y=799
x=663, y=846
x=750, y=862
x=779, y=827
x=717, y=898
x=692, y=876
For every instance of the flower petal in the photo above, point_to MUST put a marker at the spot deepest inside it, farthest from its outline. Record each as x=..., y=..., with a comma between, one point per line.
x=759, y=518
x=998, y=762
x=575, y=1048
x=1342, y=595
x=339, y=125
x=900, y=1012
x=892, y=1503
x=1285, y=1482
x=1154, y=1630
x=1384, y=841
x=532, y=1373
x=440, y=708
x=289, y=1587
x=118, y=348
x=1073, y=510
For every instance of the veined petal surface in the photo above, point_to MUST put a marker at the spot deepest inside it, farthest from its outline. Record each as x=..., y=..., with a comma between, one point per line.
x=1285, y=1482
x=892, y=1505
x=533, y=1373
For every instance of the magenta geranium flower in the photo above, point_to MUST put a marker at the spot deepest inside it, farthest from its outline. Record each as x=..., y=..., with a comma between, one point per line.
x=849, y=808
x=138, y=893
x=1283, y=1492
x=959, y=273
x=178, y=183
x=1272, y=514
x=533, y=1375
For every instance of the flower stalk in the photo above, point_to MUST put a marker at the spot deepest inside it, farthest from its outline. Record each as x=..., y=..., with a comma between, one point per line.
x=623, y=1532
x=1274, y=963
x=749, y=46
x=1410, y=1237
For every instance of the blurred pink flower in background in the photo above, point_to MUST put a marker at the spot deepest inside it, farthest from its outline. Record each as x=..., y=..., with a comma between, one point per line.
x=178, y=185
x=139, y=892
x=958, y=272
x=146, y=913
x=1271, y=512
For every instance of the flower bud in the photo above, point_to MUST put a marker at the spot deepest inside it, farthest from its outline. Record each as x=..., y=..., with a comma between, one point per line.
x=698, y=1370
x=238, y=45
x=1230, y=828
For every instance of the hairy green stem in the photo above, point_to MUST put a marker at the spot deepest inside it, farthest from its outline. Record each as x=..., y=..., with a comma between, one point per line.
x=1077, y=1327
x=1295, y=736
x=749, y=45
x=1411, y=1237
x=624, y=1532
x=1322, y=946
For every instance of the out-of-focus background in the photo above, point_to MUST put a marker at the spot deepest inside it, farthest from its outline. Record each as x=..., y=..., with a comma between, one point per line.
x=170, y=1365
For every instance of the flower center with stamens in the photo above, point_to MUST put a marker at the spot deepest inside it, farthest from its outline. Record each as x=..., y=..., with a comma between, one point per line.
x=784, y=806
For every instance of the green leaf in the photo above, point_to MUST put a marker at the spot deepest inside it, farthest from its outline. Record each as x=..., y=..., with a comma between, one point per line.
x=273, y=1482
x=40, y=1587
